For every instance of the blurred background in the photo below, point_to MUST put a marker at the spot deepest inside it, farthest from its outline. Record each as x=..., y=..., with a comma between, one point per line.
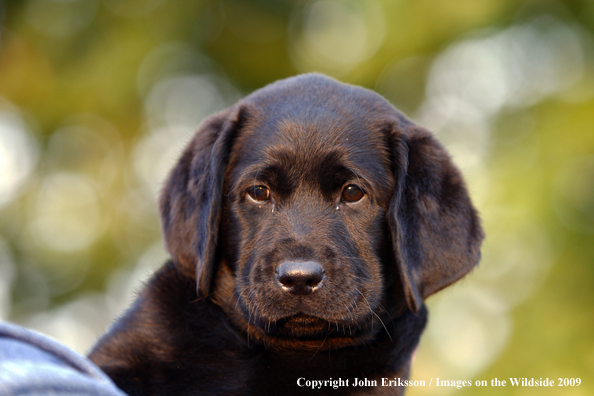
x=98, y=98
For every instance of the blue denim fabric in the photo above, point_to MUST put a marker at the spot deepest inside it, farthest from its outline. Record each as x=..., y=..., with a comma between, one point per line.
x=31, y=364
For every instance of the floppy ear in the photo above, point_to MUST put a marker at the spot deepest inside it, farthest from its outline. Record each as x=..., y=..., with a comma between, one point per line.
x=436, y=231
x=190, y=204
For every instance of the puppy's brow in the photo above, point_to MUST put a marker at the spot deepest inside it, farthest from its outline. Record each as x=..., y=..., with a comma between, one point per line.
x=334, y=173
x=276, y=176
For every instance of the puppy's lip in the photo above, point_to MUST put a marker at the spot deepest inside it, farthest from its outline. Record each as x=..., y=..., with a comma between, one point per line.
x=314, y=333
x=304, y=320
x=303, y=326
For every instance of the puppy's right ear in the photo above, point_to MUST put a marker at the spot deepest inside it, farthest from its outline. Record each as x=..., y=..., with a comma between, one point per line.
x=190, y=204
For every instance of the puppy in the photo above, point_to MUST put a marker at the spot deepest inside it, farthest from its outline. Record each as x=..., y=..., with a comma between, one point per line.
x=306, y=225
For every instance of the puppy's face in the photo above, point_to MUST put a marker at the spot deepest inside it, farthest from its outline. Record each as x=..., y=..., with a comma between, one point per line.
x=312, y=209
x=305, y=224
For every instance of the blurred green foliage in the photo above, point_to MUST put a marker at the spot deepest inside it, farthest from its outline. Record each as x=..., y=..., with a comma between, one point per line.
x=98, y=97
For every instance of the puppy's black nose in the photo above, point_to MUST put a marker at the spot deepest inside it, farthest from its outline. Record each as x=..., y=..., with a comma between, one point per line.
x=300, y=277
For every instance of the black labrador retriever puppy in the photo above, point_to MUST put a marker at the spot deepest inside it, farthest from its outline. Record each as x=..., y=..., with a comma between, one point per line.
x=306, y=225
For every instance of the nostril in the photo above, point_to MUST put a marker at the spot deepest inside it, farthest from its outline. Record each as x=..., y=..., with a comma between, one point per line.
x=300, y=277
x=286, y=281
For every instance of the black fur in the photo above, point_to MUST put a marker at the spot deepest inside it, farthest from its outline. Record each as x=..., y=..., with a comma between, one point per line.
x=217, y=320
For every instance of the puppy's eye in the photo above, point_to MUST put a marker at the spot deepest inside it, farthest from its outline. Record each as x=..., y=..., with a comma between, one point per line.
x=352, y=193
x=259, y=193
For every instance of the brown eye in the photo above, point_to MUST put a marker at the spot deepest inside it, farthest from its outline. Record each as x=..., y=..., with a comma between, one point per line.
x=259, y=193
x=352, y=193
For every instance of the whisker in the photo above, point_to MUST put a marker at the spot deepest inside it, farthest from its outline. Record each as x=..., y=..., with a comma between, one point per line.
x=380, y=319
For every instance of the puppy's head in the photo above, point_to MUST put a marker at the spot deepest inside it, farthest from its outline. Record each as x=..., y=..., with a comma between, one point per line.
x=312, y=208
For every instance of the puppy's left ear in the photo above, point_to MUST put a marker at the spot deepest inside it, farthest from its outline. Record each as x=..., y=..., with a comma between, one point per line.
x=436, y=231
x=190, y=204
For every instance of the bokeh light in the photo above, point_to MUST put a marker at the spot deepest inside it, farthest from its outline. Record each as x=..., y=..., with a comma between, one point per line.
x=336, y=36
x=65, y=214
x=59, y=18
x=18, y=152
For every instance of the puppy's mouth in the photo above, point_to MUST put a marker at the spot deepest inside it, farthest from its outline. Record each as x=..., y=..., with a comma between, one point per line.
x=304, y=326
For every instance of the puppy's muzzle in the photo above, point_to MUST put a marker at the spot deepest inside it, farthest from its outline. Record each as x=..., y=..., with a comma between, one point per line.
x=300, y=278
